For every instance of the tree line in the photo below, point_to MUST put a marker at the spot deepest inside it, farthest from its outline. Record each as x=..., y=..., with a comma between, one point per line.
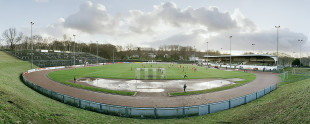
x=17, y=41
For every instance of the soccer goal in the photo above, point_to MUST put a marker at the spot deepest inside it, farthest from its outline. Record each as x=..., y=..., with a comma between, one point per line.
x=150, y=73
x=301, y=71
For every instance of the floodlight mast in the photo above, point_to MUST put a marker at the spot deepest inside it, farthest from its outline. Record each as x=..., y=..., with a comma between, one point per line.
x=74, y=49
x=207, y=54
x=300, y=53
x=97, y=52
x=230, y=51
x=253, y=47
x=113, y=56
x=277, y=27
x=31, y=23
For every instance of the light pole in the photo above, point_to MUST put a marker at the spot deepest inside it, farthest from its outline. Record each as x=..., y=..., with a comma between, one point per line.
x=194, y=56
x=277, y=27
x=74, y=49
x=97, y=52
x=221, y=52
x=31, y=23
x=253, y=47
x=300, y=53
x=113, y=55
x=230, y=50
x=207, y=54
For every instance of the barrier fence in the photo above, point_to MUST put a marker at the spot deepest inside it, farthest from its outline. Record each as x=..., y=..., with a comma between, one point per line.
x=142, y=112
x=287, y=77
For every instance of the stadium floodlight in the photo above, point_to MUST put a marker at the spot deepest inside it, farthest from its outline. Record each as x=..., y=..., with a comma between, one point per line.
x=207, y=53
x=194, y=55
x=31, y=23
x=97, y=52
x=113, y=56
x=230, y=51
x=277, y=27
x=300, y=53
x=74, y=49
x=253, y=47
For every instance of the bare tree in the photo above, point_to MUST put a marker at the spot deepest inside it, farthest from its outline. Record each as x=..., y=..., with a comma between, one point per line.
x=11, y=37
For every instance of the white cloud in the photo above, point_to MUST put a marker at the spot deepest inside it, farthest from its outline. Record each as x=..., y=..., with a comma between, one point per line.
x=169, y=14
x=244, y=24
x=93, y=18
x=168, y=24
x=57, y=30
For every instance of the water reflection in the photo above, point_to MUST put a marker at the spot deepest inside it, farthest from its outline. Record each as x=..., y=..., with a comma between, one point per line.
x=157, y=85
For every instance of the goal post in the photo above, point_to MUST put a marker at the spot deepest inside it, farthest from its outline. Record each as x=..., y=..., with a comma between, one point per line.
x=150, y=73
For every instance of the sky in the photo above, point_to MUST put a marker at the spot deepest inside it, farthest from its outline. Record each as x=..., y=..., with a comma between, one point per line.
x=154, y=23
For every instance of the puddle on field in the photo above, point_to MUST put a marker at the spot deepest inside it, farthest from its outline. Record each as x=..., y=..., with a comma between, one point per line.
x=157, y=85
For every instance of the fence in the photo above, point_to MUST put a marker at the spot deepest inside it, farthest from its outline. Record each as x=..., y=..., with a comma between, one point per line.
x=153, y=113
x=287, y=77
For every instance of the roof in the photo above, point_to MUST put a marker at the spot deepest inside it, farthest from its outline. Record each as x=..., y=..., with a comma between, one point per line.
x=249, y=55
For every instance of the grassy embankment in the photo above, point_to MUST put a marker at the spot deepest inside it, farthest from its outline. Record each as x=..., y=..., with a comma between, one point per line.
x=123, y=71
x=20, y=104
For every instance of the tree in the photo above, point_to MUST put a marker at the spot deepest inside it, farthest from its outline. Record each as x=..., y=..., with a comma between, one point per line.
x=296, y=62
x=11, y=37
x=1, y=43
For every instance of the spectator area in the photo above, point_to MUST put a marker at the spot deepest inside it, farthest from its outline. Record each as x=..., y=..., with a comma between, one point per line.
x=51, y=59
x=253, y=59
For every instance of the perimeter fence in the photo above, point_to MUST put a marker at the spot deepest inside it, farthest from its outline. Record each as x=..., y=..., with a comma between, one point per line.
x=294, y=76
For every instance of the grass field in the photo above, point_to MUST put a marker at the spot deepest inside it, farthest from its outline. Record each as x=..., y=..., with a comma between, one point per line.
x=127, y=71
x=20, y=104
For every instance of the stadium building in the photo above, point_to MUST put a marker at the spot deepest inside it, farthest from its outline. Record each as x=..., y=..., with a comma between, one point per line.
x=252, y=61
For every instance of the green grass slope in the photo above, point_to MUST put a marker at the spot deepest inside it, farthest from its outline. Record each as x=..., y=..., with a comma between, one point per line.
x=20, y=104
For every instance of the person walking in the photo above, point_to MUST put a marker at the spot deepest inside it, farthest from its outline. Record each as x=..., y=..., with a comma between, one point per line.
x=184, y=87
x=74, y=79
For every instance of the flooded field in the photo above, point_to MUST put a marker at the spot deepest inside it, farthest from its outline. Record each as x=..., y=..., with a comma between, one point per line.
x=157, y=85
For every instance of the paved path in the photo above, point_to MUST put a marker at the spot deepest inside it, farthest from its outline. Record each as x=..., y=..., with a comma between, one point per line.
x=263, y=80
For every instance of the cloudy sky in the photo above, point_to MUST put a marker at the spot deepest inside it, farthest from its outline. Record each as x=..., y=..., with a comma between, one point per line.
x=152, y=23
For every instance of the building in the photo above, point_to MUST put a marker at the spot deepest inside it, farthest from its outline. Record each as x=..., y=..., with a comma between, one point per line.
x=259, y=61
